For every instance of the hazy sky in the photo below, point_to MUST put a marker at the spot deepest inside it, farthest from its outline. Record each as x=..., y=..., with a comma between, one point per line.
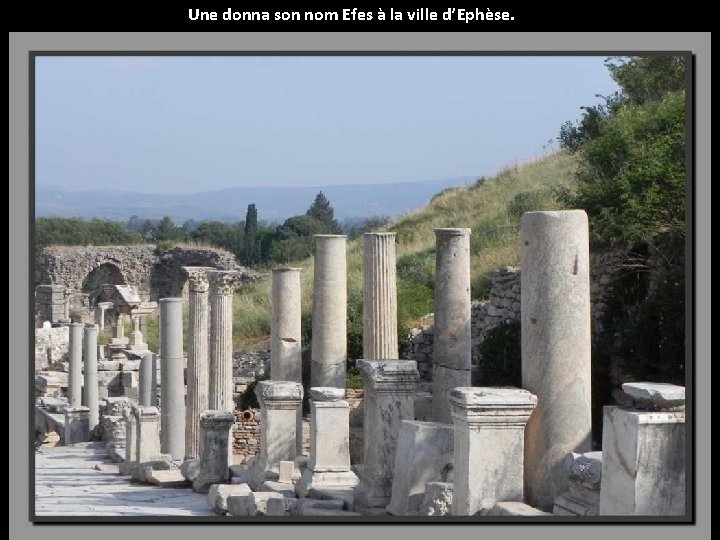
x=187, y=124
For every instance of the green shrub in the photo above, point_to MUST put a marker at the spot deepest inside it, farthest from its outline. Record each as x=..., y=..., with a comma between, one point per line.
x=163, y=246
x=418, y=268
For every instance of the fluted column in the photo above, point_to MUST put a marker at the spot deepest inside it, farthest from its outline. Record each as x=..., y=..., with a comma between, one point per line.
x=452, y=348
x=75, y=365
x=172, y=380
x=380, y=340
x=329, y=315
x=222, y=286
x=90, y=391
x=197, y=367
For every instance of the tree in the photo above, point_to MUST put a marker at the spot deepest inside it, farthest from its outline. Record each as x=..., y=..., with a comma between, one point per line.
x=250, y=248
x=322, y=210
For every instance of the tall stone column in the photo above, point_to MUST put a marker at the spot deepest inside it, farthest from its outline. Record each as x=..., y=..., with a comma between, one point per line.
x=286, y=333
x=555, y=317
x=329, y=465
x=279, y=401
x=147, y=393
x=198, y=381
x=489, y=428
x=222, y=287
x=90, y=372
x=213, y=467
x=172, y=379
x=380, y=339
x=643, y=458
x=75, y=377
x=389, y=398
x=452, y=347
x=329, y=314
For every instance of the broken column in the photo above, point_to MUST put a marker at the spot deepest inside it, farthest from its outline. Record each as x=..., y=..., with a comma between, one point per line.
x=389, y=398
x=278, y=401
x=172, y=379
x=380, y=336
x=452, y=348
x=222, y=287
x=286, y=333
x=584, y=479
x=146, y=380
x=147, y=442
x=90, y=386
x=555, y=300
x=75, y=382
x=489, y=446
x=643, y=458
x=214, y=449
x=197, y=364
x=77, y=425
x=329, y=314
x=329, y=466
x=130, y=442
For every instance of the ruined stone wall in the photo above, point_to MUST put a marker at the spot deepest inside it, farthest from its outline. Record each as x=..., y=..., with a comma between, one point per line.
x=51, y=345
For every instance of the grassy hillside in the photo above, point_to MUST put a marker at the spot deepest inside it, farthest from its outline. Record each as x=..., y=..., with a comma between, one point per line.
x=491, y=208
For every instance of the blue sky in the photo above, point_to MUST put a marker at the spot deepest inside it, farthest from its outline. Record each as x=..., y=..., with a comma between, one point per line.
x=189, y=124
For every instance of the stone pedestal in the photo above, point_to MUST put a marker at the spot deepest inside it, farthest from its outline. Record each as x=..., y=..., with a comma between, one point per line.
x=584, y=477
x=213, y=466
x=328, y=468
x=75, y=365
x=489, y=441
x=198, y=377
x=135, y=340
x=643, y=466
x=90, y=372
x=147, y=441
x=329, y=314
x=380, y=336
x=77, y=425
x=172, y=379
x=279, y=401
x=147, y=394
x=452, y=346
x=555, y=299
x=50, y=302
x=389, y=398
x=118, y=342
x=222, y=287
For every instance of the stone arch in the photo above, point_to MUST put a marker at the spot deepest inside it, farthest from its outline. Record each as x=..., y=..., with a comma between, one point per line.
x=168, y=278
x=104, y=273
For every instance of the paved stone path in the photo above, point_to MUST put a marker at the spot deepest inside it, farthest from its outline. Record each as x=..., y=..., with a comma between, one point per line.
x=67, y=484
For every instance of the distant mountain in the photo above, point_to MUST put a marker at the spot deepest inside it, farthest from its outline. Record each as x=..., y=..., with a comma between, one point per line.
x=273, y=203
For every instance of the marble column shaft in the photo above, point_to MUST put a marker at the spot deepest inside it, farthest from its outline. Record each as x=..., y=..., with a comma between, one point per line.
x=147, y=393
x=75, y=377
x=329, y=314
x=198, y=376
x=222, y=287
x=172, y=379
x=452, y=346
x=380, y=337
x=90, y=386
x=556, y=341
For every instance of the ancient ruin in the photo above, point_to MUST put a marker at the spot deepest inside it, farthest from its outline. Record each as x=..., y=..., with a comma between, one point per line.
x=168, y=415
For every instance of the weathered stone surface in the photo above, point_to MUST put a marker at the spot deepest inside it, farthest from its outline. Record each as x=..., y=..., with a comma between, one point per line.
x=281, y=507
x=453, y=337
x=284, y=488
x=222, y=286
x=300, y=504
x=214, y=449
x=190, y=469
x=90, y=384
x=285, y=471
x=285, y=326
x=321, y=512
x=513, y=508
x=218, y=495
x=172, y=478
x=254, y=504
x=172, y=379
x=657, y=396
x=107, y=468
x=380, y=338
x=583, y=495
x=424, y=454
x=147, y=395
x=437, y=500
x=75, y=376
x=643, y=466
x=77, y=425
x=327, y=393
x=556, y=344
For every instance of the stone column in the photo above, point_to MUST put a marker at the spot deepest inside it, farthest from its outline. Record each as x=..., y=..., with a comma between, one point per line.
x=555, y=317
x=103, y=307
x=90, y=386
x=380, y=339
x=77, y=425
x=452, y=348
x=222, y=286
x=75, y=377
x=147, y=441
x=329, y=464
x=215, y=442
x=286, y=333
x=489, y=445
x=130, y=442
x=147, y=394
x=197, y=365
x=389, y=398
x=172, y=380
x=329, y=314
x=279, y=401
x=135, y=340
x=643, y=459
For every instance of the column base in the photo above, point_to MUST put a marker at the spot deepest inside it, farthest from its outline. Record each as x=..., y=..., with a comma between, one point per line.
x=372, y=491
x=345, y=481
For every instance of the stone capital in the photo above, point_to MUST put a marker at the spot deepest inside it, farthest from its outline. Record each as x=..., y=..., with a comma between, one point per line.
x=279, y=394
x=217, y=419
x=197, y=278
x=389, y=375
x=492, y=407
x=656, y=396
x=326, y=393
x=145, y=413
x=448, y=232
x=222, y=282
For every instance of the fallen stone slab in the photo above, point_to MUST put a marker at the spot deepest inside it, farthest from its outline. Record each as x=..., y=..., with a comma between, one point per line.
x=254, y=504
x=647, y=395
x=172, y=478
x=317, y=511
x=281, y=506
x=300, y=504
x=243, y=474
x=218, y=495
x=190, y=469
x=345, y=496
x=512, y=508
x=287, y=490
